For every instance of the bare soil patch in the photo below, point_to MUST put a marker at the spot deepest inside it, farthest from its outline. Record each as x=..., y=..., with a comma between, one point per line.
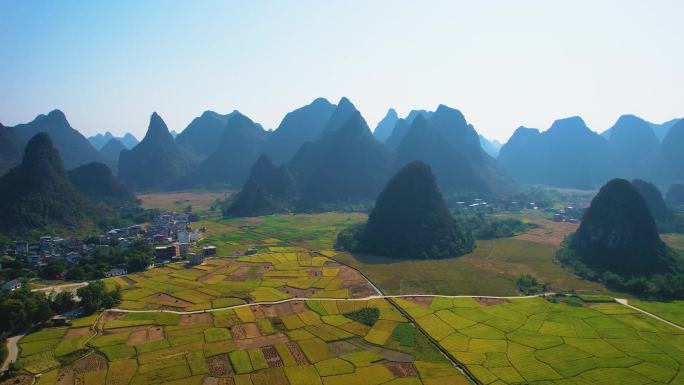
x=422, y=301
x=77, y=332
x=91, y=363
x=296, y=292
x=195, y=319
x=260, y=342
x=149, y=334
x=402, y=369
x=168, y=299
x=244, y=331
x=127, y=280
x=129, y=329
x=297, y=353
x=219, y=366
x=341, y=348
x=355, y=282
x=220, y=271
x=272, y=358
x=65, y=376
x=241, y=274
x=484, y=301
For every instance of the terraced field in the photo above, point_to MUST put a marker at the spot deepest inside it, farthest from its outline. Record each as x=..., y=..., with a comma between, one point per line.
x=535, y=341
x=223, y=282
x=299, y=342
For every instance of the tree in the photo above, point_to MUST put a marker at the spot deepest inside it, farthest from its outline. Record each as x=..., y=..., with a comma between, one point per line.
x=95, y=296
x=62, y=302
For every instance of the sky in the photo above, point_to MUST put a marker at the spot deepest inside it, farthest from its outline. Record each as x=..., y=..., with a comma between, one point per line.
x=109, y=64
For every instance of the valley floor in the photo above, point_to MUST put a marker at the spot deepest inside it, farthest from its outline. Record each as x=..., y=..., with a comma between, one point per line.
x=300, y=313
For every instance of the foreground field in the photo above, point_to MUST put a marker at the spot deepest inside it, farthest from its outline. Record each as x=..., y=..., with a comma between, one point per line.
x=535, y=341
x=223, y=282
x=672, y=311
x=312, y=342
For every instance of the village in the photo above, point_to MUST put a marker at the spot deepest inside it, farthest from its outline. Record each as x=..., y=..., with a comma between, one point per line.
x=170, y=235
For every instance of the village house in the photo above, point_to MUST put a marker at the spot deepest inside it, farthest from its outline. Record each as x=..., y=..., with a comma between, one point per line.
x=115, y=272
x=209, y=250
x=11, y=285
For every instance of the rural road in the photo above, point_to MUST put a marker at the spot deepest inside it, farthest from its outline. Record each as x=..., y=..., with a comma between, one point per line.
x=268, y=303
x=625, y=302
x=12, y=352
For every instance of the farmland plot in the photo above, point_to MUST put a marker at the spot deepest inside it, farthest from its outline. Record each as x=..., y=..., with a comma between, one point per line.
x=299, y=342
x=535, y=341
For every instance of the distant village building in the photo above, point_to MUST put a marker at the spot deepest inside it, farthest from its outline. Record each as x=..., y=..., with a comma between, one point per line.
x=166, y=252
x=11, y=285
x=21, y=247
x=209, y=250
x=115, y=273
x=195, y=258
x=251, y=251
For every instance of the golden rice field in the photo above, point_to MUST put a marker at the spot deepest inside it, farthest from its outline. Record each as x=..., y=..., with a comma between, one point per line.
x=295, y=343
x=221, y=282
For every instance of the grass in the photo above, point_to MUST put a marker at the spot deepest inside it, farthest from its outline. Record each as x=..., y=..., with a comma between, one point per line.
x=241, y=362
x=367, y=316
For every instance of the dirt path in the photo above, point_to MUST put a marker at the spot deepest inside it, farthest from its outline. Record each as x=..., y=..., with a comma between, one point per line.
x=61, y=288
x=12, y=351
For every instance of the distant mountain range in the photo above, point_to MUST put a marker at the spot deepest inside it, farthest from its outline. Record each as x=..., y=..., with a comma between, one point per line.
x=74, y=149
x=156, y=161
x=335, y=159
x=569, y=154
x=100, y=140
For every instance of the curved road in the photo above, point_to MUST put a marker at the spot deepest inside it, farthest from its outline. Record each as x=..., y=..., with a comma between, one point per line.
x=12, y=351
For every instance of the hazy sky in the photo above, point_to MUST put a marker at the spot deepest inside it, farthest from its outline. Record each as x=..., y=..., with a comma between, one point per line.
x=109, y=64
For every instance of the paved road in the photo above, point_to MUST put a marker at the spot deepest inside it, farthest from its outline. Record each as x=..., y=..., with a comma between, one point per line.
x=12, y=352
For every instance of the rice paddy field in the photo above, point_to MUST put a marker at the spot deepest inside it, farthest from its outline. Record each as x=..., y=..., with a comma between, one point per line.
x=297, y=313
x=535, y=341
x=221, y=282
x=325, y=342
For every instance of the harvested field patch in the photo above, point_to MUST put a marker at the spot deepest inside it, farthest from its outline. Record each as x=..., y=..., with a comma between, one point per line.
x=244, y=331
x=219, y=366
x=91, y=363
x=297, y=353
x=271, y=355
x=258, y=342
x=402, y=369
x=196, y=319
x=77, y=332
x=486, y=301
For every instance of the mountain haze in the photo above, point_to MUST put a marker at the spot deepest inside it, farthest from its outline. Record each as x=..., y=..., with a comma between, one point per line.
x=74, y=148
x=156, y=161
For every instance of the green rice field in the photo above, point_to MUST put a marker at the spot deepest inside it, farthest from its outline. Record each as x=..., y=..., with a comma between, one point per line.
x=535, y=341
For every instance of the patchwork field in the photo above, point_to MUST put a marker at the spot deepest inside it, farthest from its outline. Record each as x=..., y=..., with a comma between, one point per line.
x=535, y=341
x=308, y=231
x=223, y=282
x=199, y=201
x=298, y=342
